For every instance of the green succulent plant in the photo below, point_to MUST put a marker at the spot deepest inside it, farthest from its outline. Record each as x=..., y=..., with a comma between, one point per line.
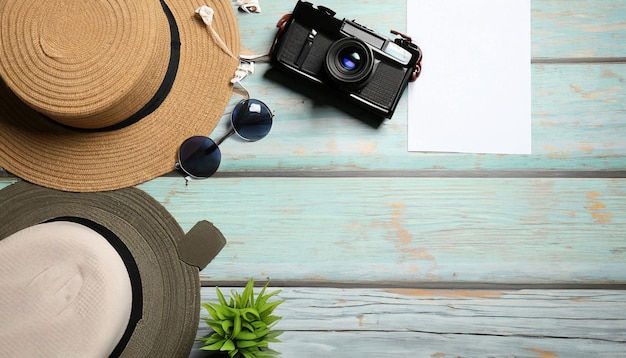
x=243, y=326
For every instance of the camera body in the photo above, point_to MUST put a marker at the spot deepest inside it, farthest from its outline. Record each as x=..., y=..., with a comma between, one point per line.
x=362, y=66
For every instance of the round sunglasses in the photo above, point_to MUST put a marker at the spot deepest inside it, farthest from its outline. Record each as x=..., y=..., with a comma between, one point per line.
x=199, y=156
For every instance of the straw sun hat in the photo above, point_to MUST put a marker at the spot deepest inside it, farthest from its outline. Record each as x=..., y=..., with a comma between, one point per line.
x=98, y=95
x=98, y=274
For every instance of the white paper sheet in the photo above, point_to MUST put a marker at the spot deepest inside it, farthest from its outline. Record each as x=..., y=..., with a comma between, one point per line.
x=474, y=92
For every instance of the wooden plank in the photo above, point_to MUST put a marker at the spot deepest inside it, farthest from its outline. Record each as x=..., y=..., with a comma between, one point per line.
x=573, y=29
x=577, y=123
x=432, y=230
x=405, y=229
x=415, y=344
x=408, y=229
x=560, y=29
x=447, y=323
x=578, y=117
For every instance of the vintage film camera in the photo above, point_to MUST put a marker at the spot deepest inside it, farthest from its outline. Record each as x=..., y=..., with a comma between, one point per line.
x=366, y=68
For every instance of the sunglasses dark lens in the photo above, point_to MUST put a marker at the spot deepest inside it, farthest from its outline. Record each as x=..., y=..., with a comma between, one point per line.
x=252, y=119
x=199, y=157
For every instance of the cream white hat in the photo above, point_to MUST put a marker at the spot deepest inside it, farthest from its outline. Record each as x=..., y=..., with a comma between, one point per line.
x=89, y=273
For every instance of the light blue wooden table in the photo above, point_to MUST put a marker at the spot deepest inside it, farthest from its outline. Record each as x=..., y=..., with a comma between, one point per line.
x=382, y=252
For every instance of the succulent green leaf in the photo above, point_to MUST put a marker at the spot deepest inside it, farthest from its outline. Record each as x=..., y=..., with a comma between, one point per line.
x=242, y=327
x=259, y=325
x=220, y=312
x=260, y=329
x=209, y=308
x=227, y=326
x=248, y=294
x=268, y=308
x=235, y=299
x=260, y=333
x=215, y=337
x=211, y=339
x=270, y=320
x=217, y=327
x=267, y=353
x=228, y=346
x=261, y=300
x=247, y=353
x=227, y=312
x=250, y=314
x=220, y=296
x=236, y=325
x=271, y=336
x=246, y=335
x=246, y=344
x=215, y=346
x=247, y=326
x=211, y=321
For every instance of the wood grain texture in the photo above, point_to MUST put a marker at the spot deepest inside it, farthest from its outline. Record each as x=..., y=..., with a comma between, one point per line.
x=578, y=123
x=360, y=344
x=560, y=29
x=578, y=117
x=447, y=323
x=408, y=229
x=405, y=229
x=327, y=200
x=574, y=29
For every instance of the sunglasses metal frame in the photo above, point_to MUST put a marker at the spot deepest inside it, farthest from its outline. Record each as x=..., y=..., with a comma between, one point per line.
x=232, y=130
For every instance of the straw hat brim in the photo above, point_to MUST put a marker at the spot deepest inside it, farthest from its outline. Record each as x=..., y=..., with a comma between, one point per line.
x=167, y=313
x=40, y=151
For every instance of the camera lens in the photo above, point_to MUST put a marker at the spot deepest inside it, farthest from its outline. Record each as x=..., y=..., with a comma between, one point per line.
x=350, y=59
x=349, y=63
